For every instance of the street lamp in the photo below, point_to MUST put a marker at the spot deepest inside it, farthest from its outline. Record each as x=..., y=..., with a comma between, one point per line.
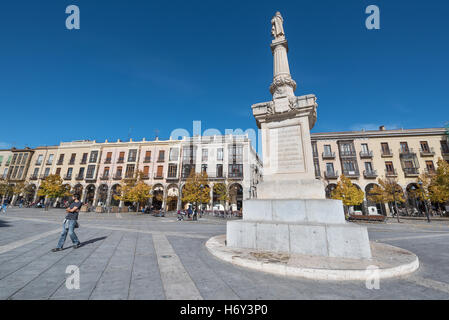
x=425, y=202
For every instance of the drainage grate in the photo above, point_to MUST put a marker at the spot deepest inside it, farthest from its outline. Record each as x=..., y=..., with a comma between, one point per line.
x=166, y=256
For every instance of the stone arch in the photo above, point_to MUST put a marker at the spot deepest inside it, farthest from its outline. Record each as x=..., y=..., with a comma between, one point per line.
x=380, y=207
x=329, y=188
x=215, y=201
x=30, y=194
x=158, y=196
x=115, y=191
x=235, y=196
x=102, y=193
x=90, y=194
x=172, y=197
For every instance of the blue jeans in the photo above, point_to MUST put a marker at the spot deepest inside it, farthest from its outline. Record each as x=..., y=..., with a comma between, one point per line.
x=71, y=231
x=4, y=207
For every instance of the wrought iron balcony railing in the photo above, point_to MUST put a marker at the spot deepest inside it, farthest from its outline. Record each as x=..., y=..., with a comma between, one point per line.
x=351, y=173
x=331, y=174
x=370, y=174
x=366, y=154
x=386, y=153
x=328, y=155
x=427, y=152
x=391, y=173
x=411, y=171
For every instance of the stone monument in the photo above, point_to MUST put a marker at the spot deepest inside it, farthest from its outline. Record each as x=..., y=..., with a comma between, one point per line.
x=291, y=213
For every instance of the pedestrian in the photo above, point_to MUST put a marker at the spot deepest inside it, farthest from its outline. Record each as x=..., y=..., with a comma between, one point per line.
x=189, y=212
x=69, y=225
x=21, y=203
x=5, y=205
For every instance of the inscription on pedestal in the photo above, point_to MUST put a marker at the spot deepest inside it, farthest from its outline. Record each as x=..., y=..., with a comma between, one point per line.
x=286, y=153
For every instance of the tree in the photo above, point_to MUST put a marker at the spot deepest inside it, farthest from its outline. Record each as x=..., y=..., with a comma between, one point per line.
x=347, y=192
x=438, y=186
x=19, y=188
x=196, y=189
x=5, y=190
x=52, y=187
x=134, y=190
x=388, y=191
x=221, y=191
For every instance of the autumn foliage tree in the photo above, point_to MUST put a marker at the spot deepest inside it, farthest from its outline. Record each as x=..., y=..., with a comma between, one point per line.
x=388, y=191
x=5, y=190
x=196, y=189
x=347, y=192
x=52, y=187
x=134, y=190
x=435, y=187
x=221, y=191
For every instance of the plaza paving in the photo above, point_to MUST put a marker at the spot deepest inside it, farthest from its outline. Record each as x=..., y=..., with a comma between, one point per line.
x=136, y=256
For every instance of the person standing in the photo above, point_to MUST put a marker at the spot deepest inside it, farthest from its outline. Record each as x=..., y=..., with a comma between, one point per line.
x=69, y=225
x=5, y=205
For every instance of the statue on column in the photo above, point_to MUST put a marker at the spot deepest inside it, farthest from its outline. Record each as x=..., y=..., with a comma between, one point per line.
x=277, y=28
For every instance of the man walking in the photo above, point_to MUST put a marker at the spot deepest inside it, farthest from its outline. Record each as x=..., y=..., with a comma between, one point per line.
x=70, y=222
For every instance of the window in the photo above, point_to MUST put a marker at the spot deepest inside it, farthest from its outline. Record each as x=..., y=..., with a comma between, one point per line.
x=327, y=149
x=72, y=158
x=132, y=155
x=47, y=172
x=172, y=170
x=129, y=170
x=189, y=154
x=118, y=173
x=19, y=159
x=108, y=157
x=174, y=154
x=25, y=158
x=121, y=157
x=8, y=161
x=50, y=159
x=186, y=169
x=389, y=167
x=81, y=173
x=444, y=146
x=93, y=157
x=368, y=167
x=236, y=154
x=408, y=164
x=204, y=153
x=58, y=171
x=106, y=172
x=385, y=148
x=159, y=171
x=36, y=172
x=14, y=159
x=14, y=172
x=330, y=168
x=69, y=173
x=39, y=159
x=235, y=171
x=316, y=166
x=19, y=176
x=314, y=149
x=424, y=146
x=365, y=148
x=146, y=171
x=161, y=156
x=404, y=147
x=84, y=159
x=147, y=156
x=61, y=159
x=90, y=171
x=5, y=173
x=220, y=154
x=346, y=148
x=204, y=168
x=349, y=167
x=430, y=167
x=219, y=171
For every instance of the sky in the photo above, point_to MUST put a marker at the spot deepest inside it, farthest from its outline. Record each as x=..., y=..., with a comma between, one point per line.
x=140, y=68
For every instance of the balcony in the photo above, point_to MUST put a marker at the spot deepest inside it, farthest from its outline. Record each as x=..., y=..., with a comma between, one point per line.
x=90, y=177
x=49, y=163
x=68, y=177
x=33, y=177
x=386, y=153
x=107, y=160
x=60, y=162
x=121, y=160
x=429, y=152
x=43, y=176
x=411, y=172
x=217, y=176
x=71, y=162
x=370, y=174
x=38, y=163
x=6, y=164
x=160, y=159
x=79, y=177
x=351, y=173
x=105, y=176
x=444, y=151
x=132, y=159
x=147, y=159
x=328, y=155
x=347, y=153
x=366, y=154
x=117, y=176
x=235, y=175
x=145, y=176
x=84, y=161
x=158, y=176
x=391, y=173
x=406, y=151
x=331, y=174
x=430, y=171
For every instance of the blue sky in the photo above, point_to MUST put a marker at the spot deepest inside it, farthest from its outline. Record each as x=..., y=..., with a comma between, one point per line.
x=135, y=67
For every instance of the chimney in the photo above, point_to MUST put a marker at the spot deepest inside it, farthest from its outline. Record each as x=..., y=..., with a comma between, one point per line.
x=382, y=128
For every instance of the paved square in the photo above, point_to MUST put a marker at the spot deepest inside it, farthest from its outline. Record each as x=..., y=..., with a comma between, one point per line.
x=136, y=256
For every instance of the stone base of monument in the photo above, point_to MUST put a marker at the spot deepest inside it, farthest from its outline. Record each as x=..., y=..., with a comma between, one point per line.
x=304, y=226
x=386, y=262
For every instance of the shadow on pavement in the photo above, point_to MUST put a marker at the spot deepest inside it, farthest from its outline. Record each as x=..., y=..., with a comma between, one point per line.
x=4, y=223
x=92, y=241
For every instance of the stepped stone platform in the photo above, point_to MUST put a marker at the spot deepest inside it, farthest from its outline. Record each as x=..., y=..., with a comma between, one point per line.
x=391, y=262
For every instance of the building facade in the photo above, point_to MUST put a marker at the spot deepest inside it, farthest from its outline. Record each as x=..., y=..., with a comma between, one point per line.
x=365, y=156
x=94, y=170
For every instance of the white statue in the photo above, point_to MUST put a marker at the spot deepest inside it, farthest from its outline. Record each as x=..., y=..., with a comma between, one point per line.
x=277, y=29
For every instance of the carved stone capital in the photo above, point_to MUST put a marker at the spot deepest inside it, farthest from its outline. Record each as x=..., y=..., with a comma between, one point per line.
x=280, y=82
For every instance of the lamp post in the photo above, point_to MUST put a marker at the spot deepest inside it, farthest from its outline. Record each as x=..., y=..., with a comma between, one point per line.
x=425, y=202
